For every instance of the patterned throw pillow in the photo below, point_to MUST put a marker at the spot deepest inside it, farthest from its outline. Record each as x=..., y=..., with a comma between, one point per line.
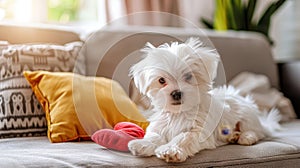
x=20, y=112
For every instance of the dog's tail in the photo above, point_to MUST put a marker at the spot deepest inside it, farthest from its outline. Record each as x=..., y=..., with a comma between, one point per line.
x=270, y=121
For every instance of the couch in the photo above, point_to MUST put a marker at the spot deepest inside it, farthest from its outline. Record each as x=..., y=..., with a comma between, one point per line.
x=109, y=53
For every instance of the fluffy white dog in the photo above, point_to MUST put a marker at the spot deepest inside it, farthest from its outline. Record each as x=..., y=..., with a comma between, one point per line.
x=188, y=114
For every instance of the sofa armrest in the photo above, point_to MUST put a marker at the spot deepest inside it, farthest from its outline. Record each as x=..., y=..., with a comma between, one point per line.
x=290, y=82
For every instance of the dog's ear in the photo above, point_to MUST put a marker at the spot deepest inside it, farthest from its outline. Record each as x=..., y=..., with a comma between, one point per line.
x=210, y=61
x=137, y=73
x=209, y=57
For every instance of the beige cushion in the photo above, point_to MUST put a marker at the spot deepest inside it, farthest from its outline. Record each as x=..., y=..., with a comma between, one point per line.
x=283, y=151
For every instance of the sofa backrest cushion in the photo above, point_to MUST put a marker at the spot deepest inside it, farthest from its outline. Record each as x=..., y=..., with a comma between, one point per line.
x=19, y=34
x=111, y=52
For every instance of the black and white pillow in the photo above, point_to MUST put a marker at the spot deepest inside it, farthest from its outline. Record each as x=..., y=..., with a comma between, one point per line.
x=20, y=112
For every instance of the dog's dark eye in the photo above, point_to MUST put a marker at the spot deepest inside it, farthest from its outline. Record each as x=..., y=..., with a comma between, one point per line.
x=162, y=80
x=188, y=76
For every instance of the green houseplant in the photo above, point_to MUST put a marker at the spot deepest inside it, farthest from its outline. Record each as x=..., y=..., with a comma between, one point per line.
x=238, y=15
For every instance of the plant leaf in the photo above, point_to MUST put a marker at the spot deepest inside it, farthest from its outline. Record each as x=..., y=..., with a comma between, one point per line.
x=239, y=14
x=264, y=22
x=207, y=23
x=220, y=19
x=230, y=14
x=250, y=8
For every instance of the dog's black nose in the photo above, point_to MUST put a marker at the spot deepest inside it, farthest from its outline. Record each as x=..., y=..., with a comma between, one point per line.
x=176, y=94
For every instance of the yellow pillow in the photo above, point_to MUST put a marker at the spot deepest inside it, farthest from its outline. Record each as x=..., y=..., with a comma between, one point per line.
x=77, y=106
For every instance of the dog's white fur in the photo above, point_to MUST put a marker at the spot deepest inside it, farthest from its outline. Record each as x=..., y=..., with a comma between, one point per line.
x=194, y=120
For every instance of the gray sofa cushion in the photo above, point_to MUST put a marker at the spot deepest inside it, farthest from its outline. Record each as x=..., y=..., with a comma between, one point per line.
x=283, y=151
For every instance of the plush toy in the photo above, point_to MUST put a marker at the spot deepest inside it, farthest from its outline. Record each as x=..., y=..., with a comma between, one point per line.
x=229, y=134
x=118, y=138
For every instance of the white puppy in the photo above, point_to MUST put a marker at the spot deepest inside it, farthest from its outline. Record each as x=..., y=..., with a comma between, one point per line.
x=188, y=114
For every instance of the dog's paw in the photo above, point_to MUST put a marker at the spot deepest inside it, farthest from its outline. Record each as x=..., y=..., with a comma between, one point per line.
x=234, y=137
x=170, y=153
x=248, y=138
x=141, y=147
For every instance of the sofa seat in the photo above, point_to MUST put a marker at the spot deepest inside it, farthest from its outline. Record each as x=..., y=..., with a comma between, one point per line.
x=283, y=151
